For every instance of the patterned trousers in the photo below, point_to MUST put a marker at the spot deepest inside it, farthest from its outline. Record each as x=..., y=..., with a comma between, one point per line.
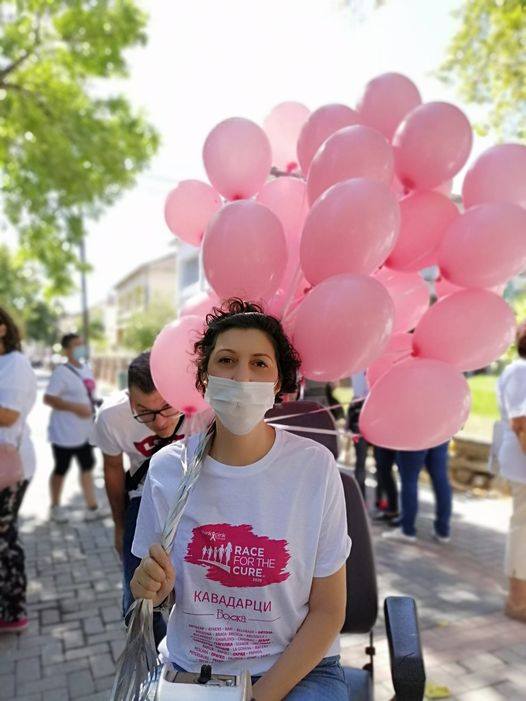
x=12, y=566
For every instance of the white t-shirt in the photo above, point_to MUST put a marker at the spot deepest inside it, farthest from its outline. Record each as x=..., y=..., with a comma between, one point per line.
x=250, y=541
x=66, y=429
x=511, y=391
x=116, y=432
x=18, y=391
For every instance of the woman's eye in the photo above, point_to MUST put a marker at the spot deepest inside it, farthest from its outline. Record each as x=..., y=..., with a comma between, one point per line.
x=224, y=361
x=261, y=364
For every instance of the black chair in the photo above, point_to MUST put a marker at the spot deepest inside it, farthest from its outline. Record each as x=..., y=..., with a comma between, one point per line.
x=407, y=664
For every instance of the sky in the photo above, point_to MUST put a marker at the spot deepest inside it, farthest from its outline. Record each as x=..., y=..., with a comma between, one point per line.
x=207, y=60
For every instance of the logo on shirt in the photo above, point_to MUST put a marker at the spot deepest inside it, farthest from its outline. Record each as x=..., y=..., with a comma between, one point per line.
x=235, y=556
x=146, y=447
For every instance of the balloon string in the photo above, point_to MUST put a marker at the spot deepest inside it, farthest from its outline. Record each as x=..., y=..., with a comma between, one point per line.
x=309, y=429
x=313, y=411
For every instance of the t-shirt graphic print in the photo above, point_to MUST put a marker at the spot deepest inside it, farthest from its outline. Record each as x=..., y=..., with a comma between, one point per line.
x=236, y=557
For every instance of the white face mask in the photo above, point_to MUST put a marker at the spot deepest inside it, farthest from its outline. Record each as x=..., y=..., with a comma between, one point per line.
x=240, y=406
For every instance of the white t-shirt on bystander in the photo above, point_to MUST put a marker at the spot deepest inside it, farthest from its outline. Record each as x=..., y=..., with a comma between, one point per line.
x=18, y=391
x=116, y=432
x=250, y=541
x=66, y=429
x=511, y=391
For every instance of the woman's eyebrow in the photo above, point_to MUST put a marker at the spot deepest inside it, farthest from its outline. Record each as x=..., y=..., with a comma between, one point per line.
x=261, y=355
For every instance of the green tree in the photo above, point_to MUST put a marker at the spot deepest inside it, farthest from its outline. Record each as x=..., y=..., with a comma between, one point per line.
x=143, y=327
x=67, y=148
x=21, y=293
x=486, y=59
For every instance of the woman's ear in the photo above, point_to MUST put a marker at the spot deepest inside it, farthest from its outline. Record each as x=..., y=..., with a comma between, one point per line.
x=3, y=330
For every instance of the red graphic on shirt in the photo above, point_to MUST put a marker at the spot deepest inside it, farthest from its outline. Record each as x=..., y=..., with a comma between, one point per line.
x=236, y=557
x=147, y=446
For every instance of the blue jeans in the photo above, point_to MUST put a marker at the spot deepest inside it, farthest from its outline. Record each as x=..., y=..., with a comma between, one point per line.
x=410, y=462
x=130, y=564
x=326, y=681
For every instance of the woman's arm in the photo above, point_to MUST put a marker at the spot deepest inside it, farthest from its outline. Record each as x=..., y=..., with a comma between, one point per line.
x=322, y=624
x=84, y=411
x=8, y=417
x=518, y=426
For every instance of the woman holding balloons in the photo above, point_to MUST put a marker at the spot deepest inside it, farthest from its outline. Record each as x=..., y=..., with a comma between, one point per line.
x=259, y=555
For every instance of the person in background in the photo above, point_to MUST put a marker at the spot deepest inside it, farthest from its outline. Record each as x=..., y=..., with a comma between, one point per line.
x=135, y=423
x=70, y=394
x=410, y=463
x=18, y=388
x=511, y=391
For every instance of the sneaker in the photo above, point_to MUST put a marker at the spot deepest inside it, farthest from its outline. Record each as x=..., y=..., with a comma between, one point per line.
x=441, y=538
x=398, y=534
x=96, y=513
x=13, y=626
x=58, y=514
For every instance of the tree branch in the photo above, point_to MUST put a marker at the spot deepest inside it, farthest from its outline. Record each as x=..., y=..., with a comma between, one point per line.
x=20, y=60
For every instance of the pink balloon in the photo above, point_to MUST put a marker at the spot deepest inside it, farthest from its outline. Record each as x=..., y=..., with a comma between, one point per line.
x=425, y=216
x=287, y=198
x=410, y=295
x=244, y=251
x=399, y=348
x=418, y=404
x=350, y=229
x=283, y=126
x=498, y=175
x=172, y=364
x=443, y=287
x=353, y=152
x=485, y=246
x=341, y=326
x=321, y=124
x=188, y=208
x=386, y=101
x=200, y=304
x=431, y=145
x=468, y=329
x=237, y=158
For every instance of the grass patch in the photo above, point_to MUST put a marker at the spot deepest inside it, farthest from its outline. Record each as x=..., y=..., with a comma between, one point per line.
x=484, y=397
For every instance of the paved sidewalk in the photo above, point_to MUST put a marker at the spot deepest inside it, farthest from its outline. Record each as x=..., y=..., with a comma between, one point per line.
x=75, y=633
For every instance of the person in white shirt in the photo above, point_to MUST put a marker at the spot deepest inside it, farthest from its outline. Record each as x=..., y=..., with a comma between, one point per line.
x=511, y=391
x=18, y=389
x=70, y=394
x=273, y=599
x=134, y=423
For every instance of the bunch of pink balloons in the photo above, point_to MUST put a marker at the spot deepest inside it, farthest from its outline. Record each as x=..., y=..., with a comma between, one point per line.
x=327, y=218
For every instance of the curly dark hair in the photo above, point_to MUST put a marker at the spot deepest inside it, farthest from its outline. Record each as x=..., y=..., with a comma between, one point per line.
x=12, y=336
x=237, y=314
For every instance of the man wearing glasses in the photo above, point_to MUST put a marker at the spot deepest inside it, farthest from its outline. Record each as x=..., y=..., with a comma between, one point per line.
x=135, y=423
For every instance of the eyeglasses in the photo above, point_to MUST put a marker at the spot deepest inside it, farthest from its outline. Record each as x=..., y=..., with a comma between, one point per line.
x=150, y=416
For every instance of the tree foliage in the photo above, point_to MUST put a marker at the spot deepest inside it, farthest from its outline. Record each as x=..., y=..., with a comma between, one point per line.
x=486, y=59
x=67, y=148
x=21, y=294
x=143, y=327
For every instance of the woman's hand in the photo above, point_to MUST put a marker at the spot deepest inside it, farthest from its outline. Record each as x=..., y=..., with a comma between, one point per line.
x=155, y=577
